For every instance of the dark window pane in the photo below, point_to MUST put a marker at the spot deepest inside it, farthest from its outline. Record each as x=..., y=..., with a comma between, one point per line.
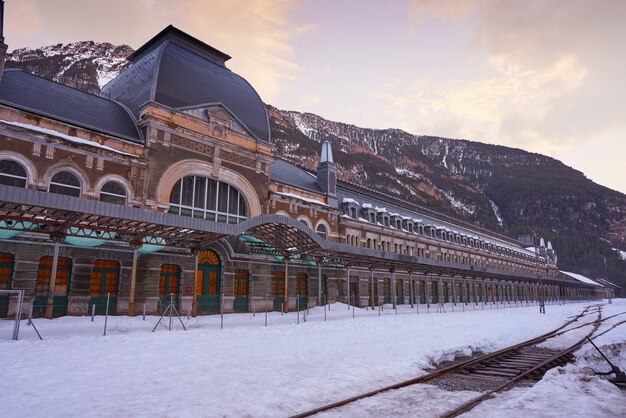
x=67, y=178
x=65, y=183
x=68, y=191
x=211, y=194
x=175, y=194
x=12, y=174
x=233, y=201
x=199, y=201
x=187, y=192
x=113, y=192
x=109, y=198
x=222, y=204
x=243, y=206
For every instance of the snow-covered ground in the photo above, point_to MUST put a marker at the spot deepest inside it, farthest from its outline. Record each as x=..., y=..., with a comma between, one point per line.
x=247, y=369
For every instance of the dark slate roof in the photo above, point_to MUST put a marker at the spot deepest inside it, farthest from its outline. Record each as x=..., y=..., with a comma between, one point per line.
x=172, y=71
x=428, y=217
x=289, y=174
x=34, y=94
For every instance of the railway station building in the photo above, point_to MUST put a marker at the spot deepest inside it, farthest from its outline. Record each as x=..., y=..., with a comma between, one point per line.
x=165, y=187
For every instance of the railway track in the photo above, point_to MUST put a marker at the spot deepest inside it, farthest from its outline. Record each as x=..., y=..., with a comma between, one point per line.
x=497, y=371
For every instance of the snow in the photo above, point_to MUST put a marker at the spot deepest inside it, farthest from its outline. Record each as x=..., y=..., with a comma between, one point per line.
x=496, y=211
x=349, y=200
x=247, y=369
x=580, y=278
x=303, y=198
x=622, y=254
x=70, y=138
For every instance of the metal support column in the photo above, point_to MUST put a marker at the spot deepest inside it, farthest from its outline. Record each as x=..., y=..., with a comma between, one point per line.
x=286, y=304
x=194, y=300
x=133, y=282
x=53, y=278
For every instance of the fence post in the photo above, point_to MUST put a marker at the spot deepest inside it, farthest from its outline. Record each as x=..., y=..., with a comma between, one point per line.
x=144, y=311
x=169, y=327
x=222, y=310
x=266, y=297
x=93, y=312
x=298, y=308
x=106, y=315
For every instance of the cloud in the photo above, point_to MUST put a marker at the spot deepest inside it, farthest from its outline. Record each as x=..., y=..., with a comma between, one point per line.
x=258, y=34
x=553, y=78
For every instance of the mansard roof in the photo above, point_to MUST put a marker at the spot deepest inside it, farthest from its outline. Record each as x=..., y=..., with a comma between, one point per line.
x=179, y=71
x=283, y=172
x=31, y=93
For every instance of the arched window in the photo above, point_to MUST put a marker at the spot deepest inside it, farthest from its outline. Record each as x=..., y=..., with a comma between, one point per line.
x=65, y=183
x=321, y=230
x=12, y=174
x=113, y=192
x=210, y=199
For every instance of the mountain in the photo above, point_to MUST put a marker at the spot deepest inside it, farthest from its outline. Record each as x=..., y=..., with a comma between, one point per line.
x=506, y=189
x=86, y=65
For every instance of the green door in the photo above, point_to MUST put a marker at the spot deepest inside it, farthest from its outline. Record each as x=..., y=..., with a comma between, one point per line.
x=302, y=290
x=278, y=290
x=104, y=279
x=242, y=286
x=434, y=286
x=386, y=290
x=61, y=287
x=169, y=287
x=7, y=261
x=373, y=294
x=400, y=292
x=209, y=283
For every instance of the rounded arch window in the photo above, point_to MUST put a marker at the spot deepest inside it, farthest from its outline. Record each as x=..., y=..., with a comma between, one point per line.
x=12, y=174
x=321, y=231
x=65, y=182
x=210, y=199
x=113, y=192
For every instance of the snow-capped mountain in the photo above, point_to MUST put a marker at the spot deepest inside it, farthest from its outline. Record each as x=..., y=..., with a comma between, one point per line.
x=83, y=65
x=507, y=189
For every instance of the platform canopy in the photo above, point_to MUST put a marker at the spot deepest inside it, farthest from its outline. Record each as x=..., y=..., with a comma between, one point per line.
x=61, y=216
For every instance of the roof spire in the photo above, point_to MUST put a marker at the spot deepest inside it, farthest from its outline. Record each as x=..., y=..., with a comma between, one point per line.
x=327, y=153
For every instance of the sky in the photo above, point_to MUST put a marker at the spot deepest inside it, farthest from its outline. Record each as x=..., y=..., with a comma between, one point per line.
x=546, y=76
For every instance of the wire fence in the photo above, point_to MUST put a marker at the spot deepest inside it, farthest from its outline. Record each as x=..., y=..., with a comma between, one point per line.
x=272, y=312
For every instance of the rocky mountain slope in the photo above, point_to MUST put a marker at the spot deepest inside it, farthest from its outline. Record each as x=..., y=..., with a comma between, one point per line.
x=507, y=189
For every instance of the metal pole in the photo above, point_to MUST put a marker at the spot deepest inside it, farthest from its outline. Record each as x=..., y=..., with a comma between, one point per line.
x=144, y=311
x=372, y=287
x=222, y=310
x=286, y=303
x=133, y=281
x=106, y=315
x=319, y=282
x=194, y=298
x=411, y=290
x=171, y=310
x=18, y=315
x=393, y=290
x=325, y=304
x=266, y=298
x=93, y=312
x=298, y=308
x=53, y=278
x=348, y=285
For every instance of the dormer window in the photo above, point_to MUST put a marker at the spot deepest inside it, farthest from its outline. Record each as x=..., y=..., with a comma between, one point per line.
x=372, y=218
x=353, y=212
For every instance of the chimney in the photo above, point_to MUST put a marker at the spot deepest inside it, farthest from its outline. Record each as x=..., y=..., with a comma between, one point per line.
x=327, y=173
x=3, y=46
